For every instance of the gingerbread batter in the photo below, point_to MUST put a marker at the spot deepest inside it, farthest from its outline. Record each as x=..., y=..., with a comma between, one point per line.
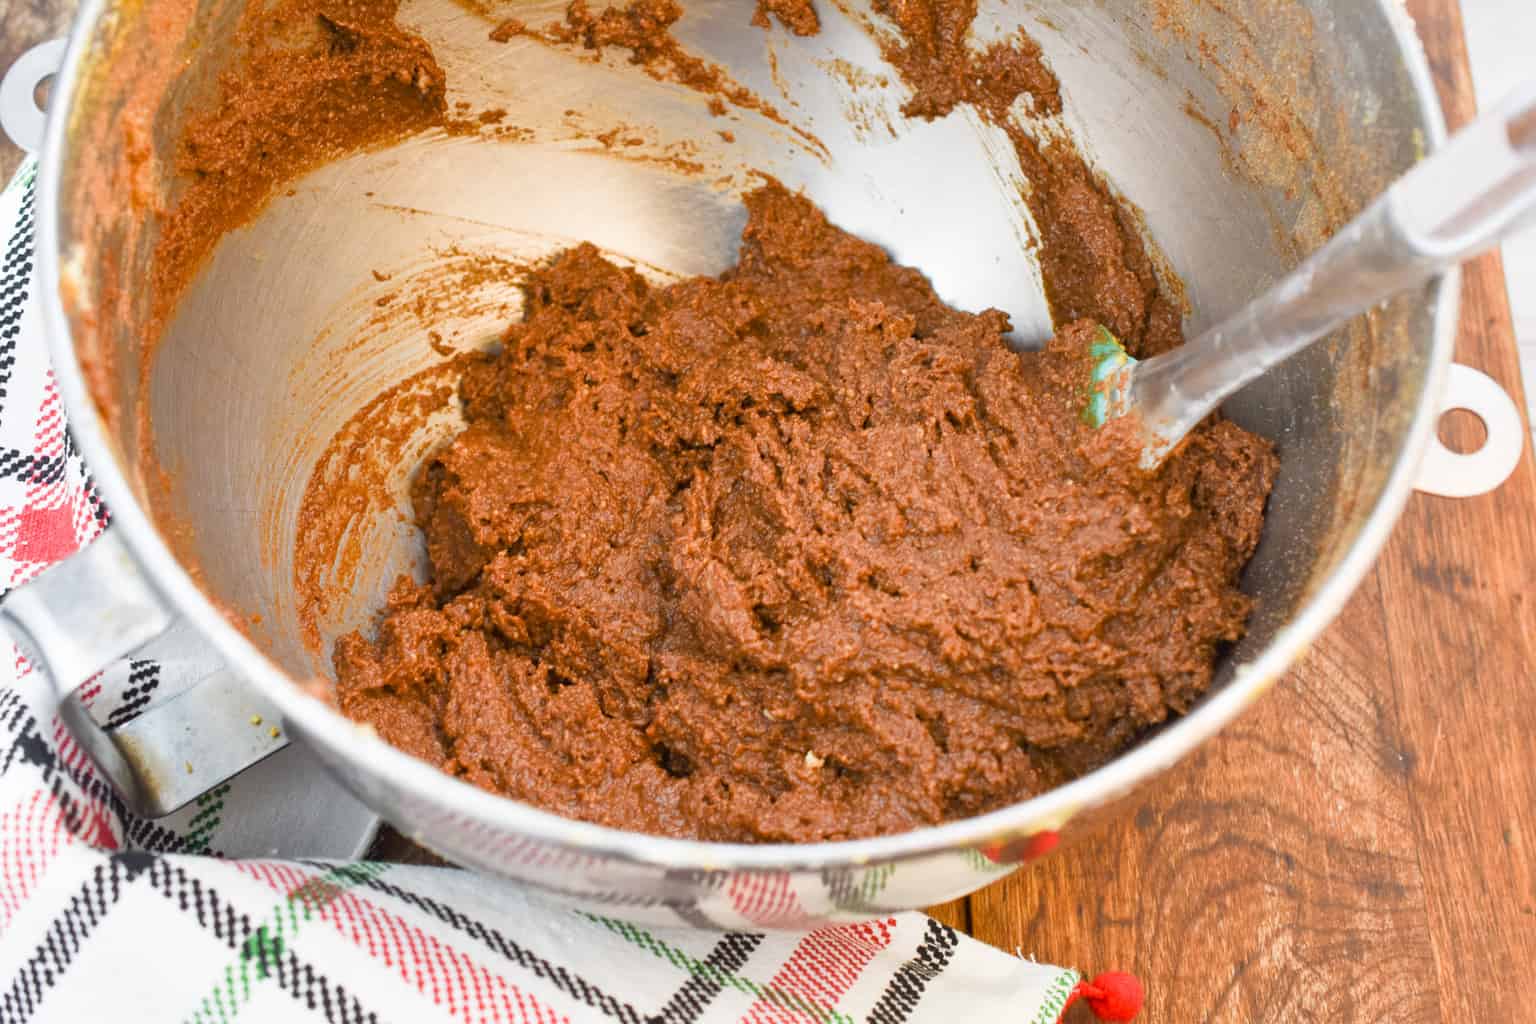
x=797, y=553
x=796, y=15
x=644, y=28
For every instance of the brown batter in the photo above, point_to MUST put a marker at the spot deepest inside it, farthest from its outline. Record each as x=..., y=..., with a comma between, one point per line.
x=797, y=553
x=796, y=15
x=943, y=72
x=1092, y=257
x=312, y=80
x=644, y=28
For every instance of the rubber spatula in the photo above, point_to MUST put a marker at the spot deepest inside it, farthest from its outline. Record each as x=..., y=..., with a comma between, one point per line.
x=1472, y=192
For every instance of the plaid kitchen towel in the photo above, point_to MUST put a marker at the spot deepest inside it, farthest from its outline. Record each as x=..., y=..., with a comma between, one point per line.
x=105, y=916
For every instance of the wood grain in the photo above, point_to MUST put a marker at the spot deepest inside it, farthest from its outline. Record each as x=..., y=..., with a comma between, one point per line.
x=1274, y=877
x=1463, y=655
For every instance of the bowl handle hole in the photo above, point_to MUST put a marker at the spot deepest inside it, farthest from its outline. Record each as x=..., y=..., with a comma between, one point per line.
x=1478, y=439
x=1462, y=431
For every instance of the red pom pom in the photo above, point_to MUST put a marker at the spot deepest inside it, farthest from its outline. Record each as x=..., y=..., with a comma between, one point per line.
x=1113, y=996
x=1040, y=844
x=1021, y=850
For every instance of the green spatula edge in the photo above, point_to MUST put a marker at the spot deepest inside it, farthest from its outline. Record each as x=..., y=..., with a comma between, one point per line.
x=1106, y=391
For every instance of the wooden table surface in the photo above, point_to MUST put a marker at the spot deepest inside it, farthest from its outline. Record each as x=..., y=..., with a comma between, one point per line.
x=1361, y=846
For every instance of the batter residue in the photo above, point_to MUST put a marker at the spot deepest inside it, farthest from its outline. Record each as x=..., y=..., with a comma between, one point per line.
x=797, y=553
x=312, y=81
x=644, y=28
x=796, y=15
x=1093, y=259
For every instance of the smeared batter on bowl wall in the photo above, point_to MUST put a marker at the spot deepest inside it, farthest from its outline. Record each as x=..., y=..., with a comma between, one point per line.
x=1093, y=258
x=796, y=553
x=644, y=28
x=306, y=82
x=311, y=81
x=799, y=16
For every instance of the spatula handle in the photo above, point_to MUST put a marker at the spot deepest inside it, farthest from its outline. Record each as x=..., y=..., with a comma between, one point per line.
x=1478, y=188
x=1475, y=190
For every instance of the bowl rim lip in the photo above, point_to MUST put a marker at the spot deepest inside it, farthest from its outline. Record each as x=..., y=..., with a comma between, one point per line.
x=394, y=774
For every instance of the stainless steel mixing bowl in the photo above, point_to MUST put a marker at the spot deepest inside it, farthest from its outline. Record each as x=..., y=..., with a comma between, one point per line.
x=1242, y=131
